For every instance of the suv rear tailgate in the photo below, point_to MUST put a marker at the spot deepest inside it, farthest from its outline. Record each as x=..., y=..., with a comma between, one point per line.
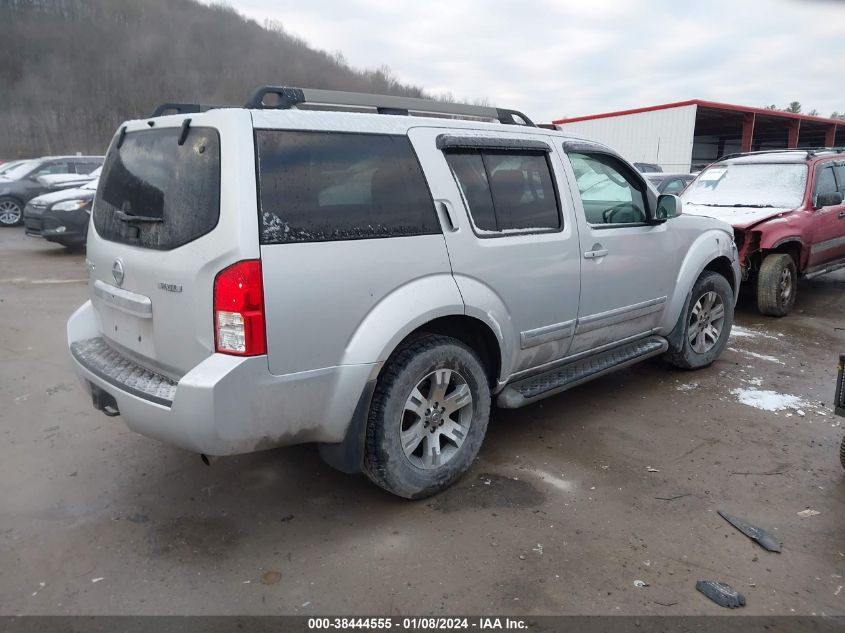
x=167, y=218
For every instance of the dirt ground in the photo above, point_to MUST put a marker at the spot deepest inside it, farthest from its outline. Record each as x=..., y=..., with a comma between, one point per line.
x=570, y=502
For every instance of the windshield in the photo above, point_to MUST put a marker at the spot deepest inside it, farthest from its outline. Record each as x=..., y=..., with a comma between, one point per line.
x=19, y=171
x=749, y=185
x=9, y=166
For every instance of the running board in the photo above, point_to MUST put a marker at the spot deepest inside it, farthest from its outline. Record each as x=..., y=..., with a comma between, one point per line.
x=561, y=378
x=824, y=269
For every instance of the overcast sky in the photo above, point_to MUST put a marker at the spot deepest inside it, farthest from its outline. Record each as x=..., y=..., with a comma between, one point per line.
x=560, y=58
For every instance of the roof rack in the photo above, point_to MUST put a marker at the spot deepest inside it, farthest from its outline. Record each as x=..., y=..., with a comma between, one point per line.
x=286, y=98
x=810, y=151
x=181, y=108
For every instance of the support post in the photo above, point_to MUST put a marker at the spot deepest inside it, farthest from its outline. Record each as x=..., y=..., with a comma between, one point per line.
x=748, y=131
x=794, y=129
x=830, y=136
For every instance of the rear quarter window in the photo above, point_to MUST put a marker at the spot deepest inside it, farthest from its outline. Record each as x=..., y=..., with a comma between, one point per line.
x=157, y=194
x=326, y=186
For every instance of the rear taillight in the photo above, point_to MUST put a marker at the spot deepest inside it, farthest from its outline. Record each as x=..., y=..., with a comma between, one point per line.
x=239, y=310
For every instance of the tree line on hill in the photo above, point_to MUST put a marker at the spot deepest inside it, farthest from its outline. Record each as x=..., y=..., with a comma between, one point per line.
x=72, y=70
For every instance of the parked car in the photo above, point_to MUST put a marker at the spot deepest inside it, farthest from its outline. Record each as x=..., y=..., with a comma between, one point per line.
x=648, y=168
x=670, y=183
x=62, y=216
x=22, y=183
x=787, y=211
x=8, y=165
x=266, y=276
x=66, y=181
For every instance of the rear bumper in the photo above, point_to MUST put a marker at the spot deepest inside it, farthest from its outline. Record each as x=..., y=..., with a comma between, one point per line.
x=223, y=406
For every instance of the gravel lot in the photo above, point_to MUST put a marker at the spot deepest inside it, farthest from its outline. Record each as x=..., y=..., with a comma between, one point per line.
x=570, y=502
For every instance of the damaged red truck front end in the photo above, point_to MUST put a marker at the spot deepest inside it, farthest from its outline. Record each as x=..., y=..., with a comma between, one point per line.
x=788, y=215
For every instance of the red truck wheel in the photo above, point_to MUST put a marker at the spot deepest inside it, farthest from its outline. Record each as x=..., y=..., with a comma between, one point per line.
x=777, y=285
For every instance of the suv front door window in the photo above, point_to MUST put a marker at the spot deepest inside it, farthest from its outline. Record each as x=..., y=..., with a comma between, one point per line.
x=608, y=193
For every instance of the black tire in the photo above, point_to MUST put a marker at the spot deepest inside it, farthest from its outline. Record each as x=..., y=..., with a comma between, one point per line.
x=11, y=211
x=684, y=355
x=842, y=453
x=777, y=285
x=385, y=461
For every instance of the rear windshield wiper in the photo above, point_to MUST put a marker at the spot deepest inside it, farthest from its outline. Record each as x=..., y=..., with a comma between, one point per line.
x=128, y=217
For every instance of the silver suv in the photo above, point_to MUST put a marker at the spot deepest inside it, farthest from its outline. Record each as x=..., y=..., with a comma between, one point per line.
x=350, y=270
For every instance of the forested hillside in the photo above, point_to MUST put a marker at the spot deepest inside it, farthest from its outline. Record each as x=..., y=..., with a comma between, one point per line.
x=71, y=70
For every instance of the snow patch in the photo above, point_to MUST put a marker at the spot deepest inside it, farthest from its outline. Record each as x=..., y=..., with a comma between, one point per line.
x=767, y=400
x=687, y=386
x=743, y=332
x=771, y=359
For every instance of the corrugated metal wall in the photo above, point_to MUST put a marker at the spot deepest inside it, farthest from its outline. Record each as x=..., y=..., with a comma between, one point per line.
x=658, y=136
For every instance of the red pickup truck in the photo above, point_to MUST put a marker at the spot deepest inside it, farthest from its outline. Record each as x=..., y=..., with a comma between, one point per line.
x=786, y=207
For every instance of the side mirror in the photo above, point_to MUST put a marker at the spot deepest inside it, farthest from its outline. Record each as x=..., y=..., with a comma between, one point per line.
x=668, y=206
x=827, y=199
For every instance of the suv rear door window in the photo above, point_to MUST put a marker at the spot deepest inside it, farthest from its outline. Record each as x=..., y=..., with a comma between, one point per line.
x=507, y=191
x=156, y=193
x=325, y=186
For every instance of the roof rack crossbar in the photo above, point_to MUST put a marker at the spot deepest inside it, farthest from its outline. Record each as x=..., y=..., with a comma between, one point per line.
x=287, y=98
x=181, y=108
x=810, y=151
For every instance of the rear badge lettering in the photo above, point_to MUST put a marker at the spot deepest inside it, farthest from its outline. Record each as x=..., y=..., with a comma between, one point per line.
x=170, y=287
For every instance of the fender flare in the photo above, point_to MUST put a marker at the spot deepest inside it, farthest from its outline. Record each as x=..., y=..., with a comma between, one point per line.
x=395, y=314
x=399, y=313
x=803, y=250
x=708, y=247
x=484, y=304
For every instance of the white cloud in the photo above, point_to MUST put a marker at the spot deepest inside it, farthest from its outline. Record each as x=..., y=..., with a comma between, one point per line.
x=566, y=58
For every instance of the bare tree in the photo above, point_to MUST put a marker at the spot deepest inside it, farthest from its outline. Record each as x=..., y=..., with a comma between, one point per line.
x=72, y=70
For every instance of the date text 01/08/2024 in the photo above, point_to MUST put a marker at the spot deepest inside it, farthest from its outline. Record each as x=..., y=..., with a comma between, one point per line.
x=423, y=623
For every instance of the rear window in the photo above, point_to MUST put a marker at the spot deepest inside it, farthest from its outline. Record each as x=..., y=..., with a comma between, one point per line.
x=325, y=186
x=156, y=193
x=506, y=191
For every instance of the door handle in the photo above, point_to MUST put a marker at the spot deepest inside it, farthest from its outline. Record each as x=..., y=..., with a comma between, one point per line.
x=448, y=214
x=595, y=254
x=841, y=215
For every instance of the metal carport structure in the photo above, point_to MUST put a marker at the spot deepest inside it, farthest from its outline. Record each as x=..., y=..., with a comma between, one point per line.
x=687, y=135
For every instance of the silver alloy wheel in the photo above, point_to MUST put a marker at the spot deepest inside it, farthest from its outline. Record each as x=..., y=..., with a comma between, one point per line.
x=436, y=419
x=10, y=212
x=705, y=322
x=785, y=285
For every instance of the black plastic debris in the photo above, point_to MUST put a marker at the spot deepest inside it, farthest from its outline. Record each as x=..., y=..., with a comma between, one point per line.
x=721, y=593
x=761, y=536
